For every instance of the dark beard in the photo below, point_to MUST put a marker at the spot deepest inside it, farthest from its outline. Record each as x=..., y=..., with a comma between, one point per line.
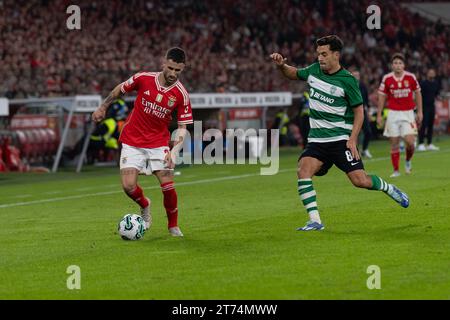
x=168, y=82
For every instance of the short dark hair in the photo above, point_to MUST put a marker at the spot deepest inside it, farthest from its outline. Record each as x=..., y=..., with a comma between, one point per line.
x=335, y=43
x=176, y=54
x=398, y=55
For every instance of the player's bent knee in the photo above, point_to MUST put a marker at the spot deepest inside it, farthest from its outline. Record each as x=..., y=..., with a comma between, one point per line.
x=410, y=141
x=128, y=188
x=299, y=172
x=304, y=173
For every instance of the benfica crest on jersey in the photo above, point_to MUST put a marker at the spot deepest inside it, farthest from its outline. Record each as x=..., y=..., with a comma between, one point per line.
x=171, y=101
x=406, y=82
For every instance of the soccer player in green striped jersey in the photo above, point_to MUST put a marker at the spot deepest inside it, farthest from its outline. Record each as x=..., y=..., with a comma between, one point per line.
x=336, y=117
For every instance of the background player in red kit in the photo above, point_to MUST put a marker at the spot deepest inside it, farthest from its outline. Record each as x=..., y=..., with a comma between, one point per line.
x=145, y=135
x=397, y=88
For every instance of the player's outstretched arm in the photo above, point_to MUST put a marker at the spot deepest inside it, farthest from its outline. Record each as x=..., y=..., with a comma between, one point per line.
x=100, y=113
x=288, y=71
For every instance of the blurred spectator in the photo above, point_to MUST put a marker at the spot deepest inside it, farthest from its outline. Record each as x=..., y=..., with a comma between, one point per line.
x=103, y=142
x=227, y=42
x=303, y=121
x=430, y=88
x=367, y=131
x=281, y=123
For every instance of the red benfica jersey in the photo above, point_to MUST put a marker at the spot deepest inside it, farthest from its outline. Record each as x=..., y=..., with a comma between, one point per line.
x=399, y=91
x=148, y=124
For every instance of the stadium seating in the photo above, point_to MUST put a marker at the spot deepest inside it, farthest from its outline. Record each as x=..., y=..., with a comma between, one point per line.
x=35, y=145
x=3, y=167
x=227, y=42
x=10, y=159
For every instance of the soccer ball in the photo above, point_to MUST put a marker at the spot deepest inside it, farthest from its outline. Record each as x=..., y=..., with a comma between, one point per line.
x=131, y=227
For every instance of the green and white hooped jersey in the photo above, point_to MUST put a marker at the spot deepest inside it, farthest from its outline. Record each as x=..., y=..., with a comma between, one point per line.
x=332, y=98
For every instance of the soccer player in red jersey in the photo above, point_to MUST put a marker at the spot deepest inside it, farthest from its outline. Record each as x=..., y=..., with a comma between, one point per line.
x=397, y=88
x=145, y=135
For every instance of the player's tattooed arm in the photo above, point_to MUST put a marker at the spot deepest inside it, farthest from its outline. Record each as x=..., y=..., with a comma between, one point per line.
x=100, y=113
x=113, y=95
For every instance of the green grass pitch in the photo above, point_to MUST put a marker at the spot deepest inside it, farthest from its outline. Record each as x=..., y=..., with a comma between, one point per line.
x=240, y=240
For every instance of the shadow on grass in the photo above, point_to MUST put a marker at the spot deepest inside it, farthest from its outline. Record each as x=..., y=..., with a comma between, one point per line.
x=376, y=231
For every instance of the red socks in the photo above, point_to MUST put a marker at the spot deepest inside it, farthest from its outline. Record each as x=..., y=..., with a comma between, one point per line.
x=138, y=196
x=170, y=203
x=395, y=158
x=409, y=152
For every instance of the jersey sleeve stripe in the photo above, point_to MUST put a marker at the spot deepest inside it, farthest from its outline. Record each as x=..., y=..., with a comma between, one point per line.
x=186, y=122
x=148, y=74
x=386, y=76
x=184, y=93
x=410, y=74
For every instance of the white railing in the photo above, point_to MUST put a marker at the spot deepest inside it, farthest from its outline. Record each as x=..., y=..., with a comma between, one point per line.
x=88, y=103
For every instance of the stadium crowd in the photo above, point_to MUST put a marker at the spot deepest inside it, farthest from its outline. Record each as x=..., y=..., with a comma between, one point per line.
x=228, y=42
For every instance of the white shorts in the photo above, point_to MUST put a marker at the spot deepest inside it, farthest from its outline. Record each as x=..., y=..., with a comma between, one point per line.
x=400, y=124
x=145, y=160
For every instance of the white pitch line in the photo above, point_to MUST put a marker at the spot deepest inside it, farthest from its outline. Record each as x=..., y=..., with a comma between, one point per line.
x=25, y=203
x=84, y=189
x=190, y=176
x=105, y=193
x=52, y=192
x=112, y=185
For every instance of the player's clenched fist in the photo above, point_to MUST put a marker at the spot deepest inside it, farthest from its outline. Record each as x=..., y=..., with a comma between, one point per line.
x=278, y=59
x=98, y=115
